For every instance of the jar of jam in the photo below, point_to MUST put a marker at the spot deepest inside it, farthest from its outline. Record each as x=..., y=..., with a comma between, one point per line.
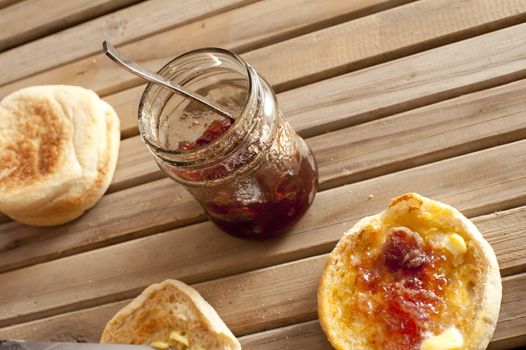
x=255, y=177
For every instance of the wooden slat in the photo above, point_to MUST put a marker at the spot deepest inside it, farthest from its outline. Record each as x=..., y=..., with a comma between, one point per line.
x=5, y=3
x=506, y=231
x=276, y=20
x=470, y=122
x=351, y=45
x=473, y=64
x=396, y=86
x=434, y=75
x=126, y=104
x=259, y=300
x=141, y=210
x=361, y=43
x=32, y=19
x=512, y=319
x=305, y=335
x=3, y=218
x=288, y=18
x=368, y=94
x=446, y=129
x=119, y=27
x=476, y=183
x=308, y=335
x=407, y=83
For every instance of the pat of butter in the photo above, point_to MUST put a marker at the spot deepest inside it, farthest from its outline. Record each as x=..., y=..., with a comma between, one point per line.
x=450, y=339
x=455, y=243
x=160, y=345
x=177, y=337
x=427, y=215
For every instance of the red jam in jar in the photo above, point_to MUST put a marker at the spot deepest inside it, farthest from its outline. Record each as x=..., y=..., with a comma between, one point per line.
x=255, y=177
x=216, y=129
x=285, y=200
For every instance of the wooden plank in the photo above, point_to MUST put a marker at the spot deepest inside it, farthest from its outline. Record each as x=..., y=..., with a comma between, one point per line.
x=304, y=335
x=135, y=165
x=31, y=19
x=277, y=20
x=4, y=218
x=442, y=130
x=308, y=335
x=399, y=85
x=407, y=83
x=350, y=45
x=393, y=87
x=510, y=332
x=471, y=122
x=119, y=27
x=256, y=301
x=126, y=104
x=506, y=231
x=341, y=101
x=476, y=183
x=5, y=3
x=139, y=211
x=361, y=43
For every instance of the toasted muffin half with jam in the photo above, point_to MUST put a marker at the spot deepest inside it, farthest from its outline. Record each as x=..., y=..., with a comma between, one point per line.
x=418, y=275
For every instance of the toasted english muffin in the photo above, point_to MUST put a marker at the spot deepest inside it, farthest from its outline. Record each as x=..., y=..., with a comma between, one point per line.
x=58, y=151
x=418, y=275
x=171, y=315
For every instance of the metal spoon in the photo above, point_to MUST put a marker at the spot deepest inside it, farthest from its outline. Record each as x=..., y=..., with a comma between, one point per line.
x=135, y=68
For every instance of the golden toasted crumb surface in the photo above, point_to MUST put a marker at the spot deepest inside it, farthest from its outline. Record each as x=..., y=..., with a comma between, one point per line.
x=366, y=303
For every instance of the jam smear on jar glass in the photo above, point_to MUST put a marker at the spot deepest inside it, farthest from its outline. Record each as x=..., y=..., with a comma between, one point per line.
x=405, y=277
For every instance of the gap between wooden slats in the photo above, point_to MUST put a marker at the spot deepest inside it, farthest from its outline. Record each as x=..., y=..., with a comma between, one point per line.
x=154, y=20
x=471, y=122
x=477, y=183
x=32, y=19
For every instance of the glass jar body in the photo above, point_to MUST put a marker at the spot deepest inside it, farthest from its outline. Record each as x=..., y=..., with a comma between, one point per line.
x=258, y=178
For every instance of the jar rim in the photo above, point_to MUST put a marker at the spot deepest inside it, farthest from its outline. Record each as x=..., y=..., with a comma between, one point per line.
x=251, y=91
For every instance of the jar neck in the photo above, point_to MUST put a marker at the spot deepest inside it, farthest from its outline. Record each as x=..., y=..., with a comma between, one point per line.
x=259, y=103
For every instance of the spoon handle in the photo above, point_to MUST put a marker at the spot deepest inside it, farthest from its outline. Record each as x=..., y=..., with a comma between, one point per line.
x=133, y=67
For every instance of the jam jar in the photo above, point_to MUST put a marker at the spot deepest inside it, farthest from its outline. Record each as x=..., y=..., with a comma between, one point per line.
x=254, y=177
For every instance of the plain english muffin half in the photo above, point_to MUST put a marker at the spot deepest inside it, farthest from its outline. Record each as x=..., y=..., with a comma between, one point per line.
x=170, y=315
x=417, y=276
x=58, y=151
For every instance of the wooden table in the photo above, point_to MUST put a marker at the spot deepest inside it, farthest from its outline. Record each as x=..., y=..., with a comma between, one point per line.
x=392, y=96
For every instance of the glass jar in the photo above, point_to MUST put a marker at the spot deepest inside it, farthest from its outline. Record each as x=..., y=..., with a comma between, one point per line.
x=254, y=178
